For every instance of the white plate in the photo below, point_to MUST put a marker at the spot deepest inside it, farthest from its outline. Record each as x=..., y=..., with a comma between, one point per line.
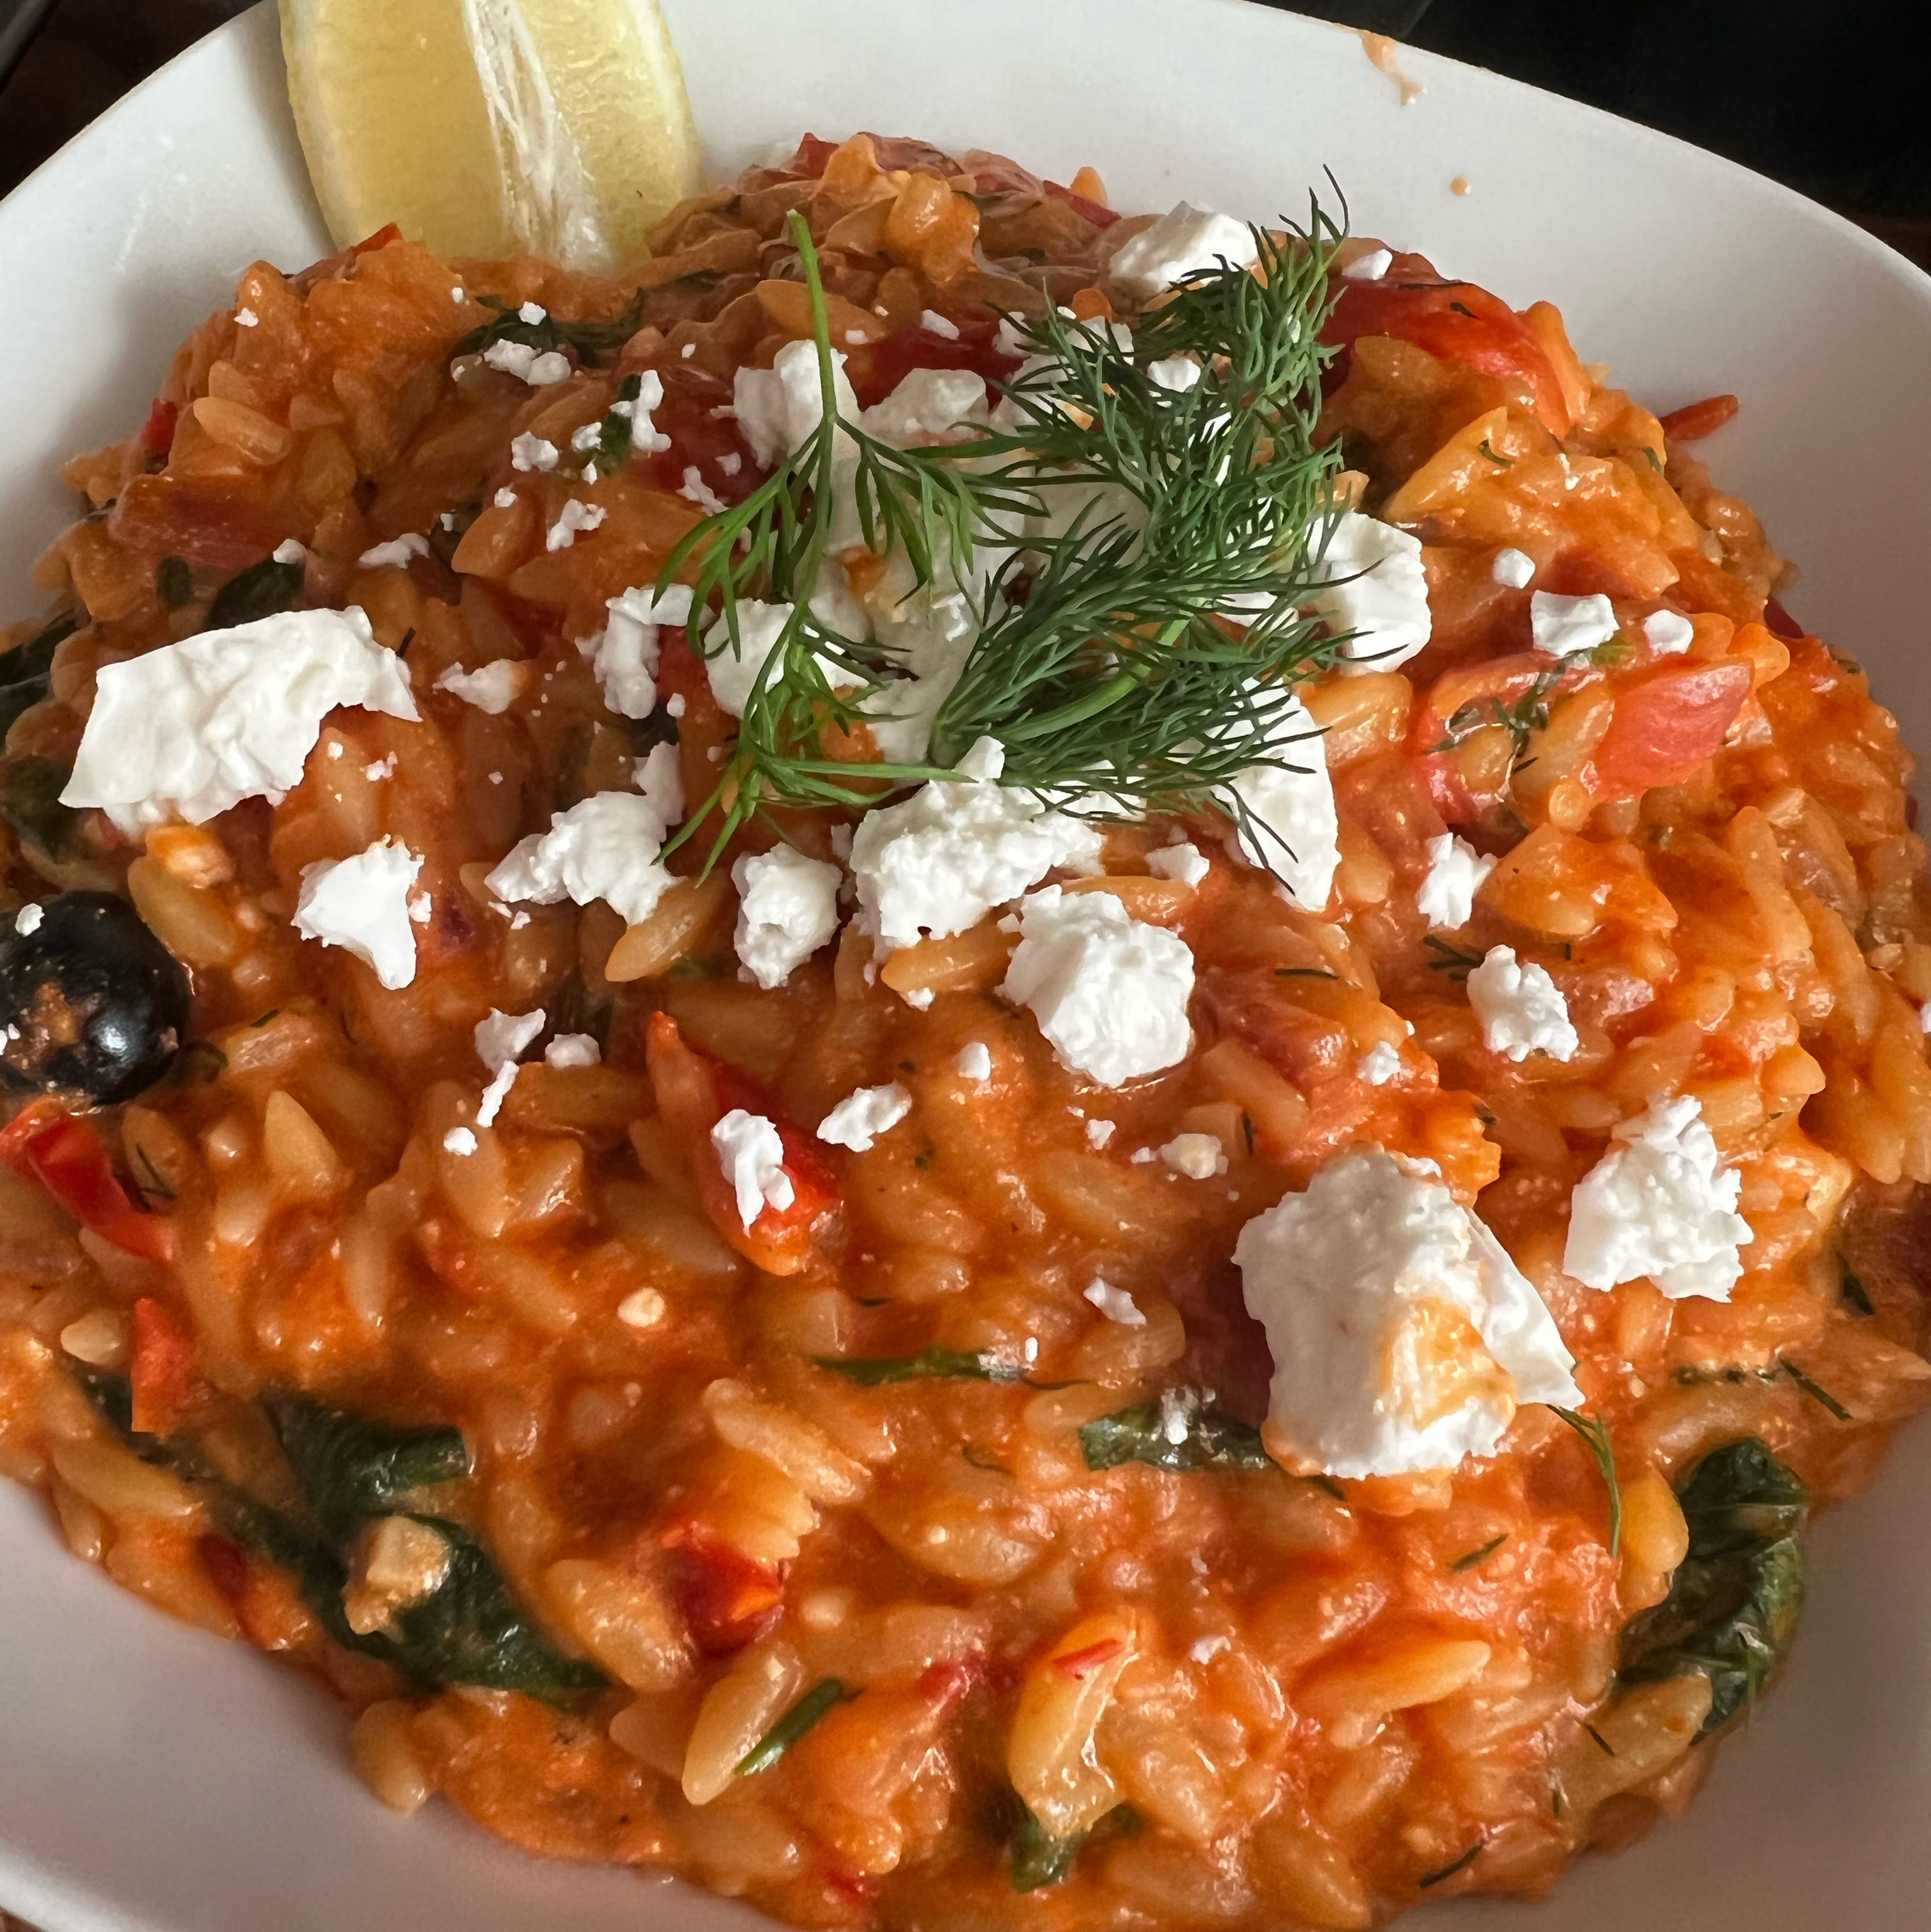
x=152, y=1781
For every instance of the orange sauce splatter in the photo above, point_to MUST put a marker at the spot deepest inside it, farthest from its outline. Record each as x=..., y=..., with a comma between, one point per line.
x=1384, y=52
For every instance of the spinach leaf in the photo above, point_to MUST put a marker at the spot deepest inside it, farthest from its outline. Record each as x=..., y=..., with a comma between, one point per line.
x=614, y=434
x=1039, y=1859
x=30, y=789
x=1732, y=1607
x=23, y=670
x=592, y=341
x=929, y=1364
x=260, y=591
x=1185, y=1429
x=351, y=1466
x=815, y=1703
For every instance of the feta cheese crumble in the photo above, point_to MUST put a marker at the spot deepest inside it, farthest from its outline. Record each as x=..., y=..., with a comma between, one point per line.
x=460, y=1140
x=938, y=862
x=1177, y=374
x=1380, y=1063
x=1370, y=267
x=361, y=904
x=753, y=1153
x=1098, y=1133
x=787, y=908
x=1198, y=1157
x=186, y=731
x=27, y=922
x=1403, y=1336
x=1293, y=830
x=928, y=405
x=529, y=452
x=1668, y=632
x=246, y=318
x=1375, y=589
x=1659, y=1203
x=1446, y=897
x=572, y=1049
x=933, y=323
x=1186, y=241
x=778, y=408
x=493, y=688
x=500, y=1041
x=1520, y=1008
x=289, y=551
x=540, y=369
x=860, y=1118
x=605, y=847
x=1563, y=625
x=1185, y=862
x=395, y=553
x=695, y=489
x=1115, y=1304
x=624, y=654
x=974, y=1063
x=576, y=518
x=1110, y=993
x=734, y=665
x=1513, y=569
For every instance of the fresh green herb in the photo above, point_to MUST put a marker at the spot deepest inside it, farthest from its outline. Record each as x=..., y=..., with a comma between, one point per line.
x=933, y=1364
x=700, y=279
x=174, y=582
x=573, y=1010
x=1814, y=1390
x=351, y=1467
x=620, y=425
x=1853, y=1293
x=1557, y=1804
x=1100, y=662
x=1520, y=717
x=1733, y=1604
x=30, y=789
x=815, y=1704
x=593, y=341
x=1475, y=1556
x=200, y=1060
x=1453, y=960
x=1186, y=1430
x=1328, y=1487
x=154, y=1186
x=1039, y=1859
x=1460, y=1865
x=1601, y=1743
x=1612, y=650
x=260, y=591
x=687, y=968
x=273, y=1013
x=1247, y=1129
x=1506, y=462
x=1462, y=308
x=1304, y=972
x=1595, y=1432
x=1655, y=461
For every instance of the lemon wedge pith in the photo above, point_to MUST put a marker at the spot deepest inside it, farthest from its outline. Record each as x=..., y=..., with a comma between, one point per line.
x=487, y=127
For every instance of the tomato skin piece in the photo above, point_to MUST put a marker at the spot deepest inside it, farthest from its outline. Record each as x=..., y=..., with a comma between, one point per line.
x=161, y=1370
x=1667, y=723
x=728, y=1600
x=157, y=432
x=1699, y=418
x=1455, y=322
x=1097, y=212
x=694, y=1093
x=66, y=1157
x=1780, y=622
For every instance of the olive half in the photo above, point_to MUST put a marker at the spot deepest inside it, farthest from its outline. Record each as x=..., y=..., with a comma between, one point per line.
x=91, y=1001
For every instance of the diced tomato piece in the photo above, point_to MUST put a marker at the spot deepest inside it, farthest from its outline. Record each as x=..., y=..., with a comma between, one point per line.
x=950, y=1681
x=699, y=436
x=226, y=1566
x=694, y=1093
x=382, y=238
x=887, y=363
x=160, y=1369
x=66, y=1157
x=220, y=529
x=1097, y=212
x=1667, y=723
x=813, y=153
x=1777, y=619
x=1698, y=419
x=1457, y=322
x=157, y=432
x=728, y=1600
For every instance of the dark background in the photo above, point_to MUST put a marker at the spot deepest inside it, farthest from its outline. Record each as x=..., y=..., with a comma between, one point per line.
x=1823, y=94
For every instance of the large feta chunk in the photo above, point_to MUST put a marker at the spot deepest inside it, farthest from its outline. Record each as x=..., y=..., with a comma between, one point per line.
x=1374, y=589
x=361, y=904
x=624, y=654
x=1659, y=1203
x=1446, y=897
x=752, y=1152
x=733, y=664
x=1284, y=814
x=860, y=1118
x=938, y=862
x=1110, y=992
x=1403, y=1336
x=787, y=908
x=605, y=847
x=492, y=688
x=1520, y=1008
x=778, y=408
x=1186, y=241
x=928, y=405
x=189, y=729
x=1565, y=626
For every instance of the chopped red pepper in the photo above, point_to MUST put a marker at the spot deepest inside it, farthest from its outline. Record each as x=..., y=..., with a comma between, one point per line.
x=1699, y=419
x=1777, y=619
x=728, y=1600
x=161, y=1370
x=157, y=432
x=66, y=1157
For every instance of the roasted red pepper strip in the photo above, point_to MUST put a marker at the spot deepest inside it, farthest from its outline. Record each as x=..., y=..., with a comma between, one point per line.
x=66, y=1157
x=161, y=1370
x=694, y=1093
x=1698, y=419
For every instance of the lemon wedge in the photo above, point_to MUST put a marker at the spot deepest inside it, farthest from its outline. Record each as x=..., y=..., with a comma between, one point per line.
x=489, y=127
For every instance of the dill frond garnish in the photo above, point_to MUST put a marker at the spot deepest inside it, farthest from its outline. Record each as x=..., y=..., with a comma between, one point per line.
x=1100, y=536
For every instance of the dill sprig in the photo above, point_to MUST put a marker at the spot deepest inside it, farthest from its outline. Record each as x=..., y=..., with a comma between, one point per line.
x=1099, y=541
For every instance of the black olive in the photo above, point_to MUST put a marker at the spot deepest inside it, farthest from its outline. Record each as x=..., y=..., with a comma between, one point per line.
x=91, y=1001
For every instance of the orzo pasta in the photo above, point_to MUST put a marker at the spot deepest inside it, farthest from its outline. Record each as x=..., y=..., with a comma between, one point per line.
x=973, y=1062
